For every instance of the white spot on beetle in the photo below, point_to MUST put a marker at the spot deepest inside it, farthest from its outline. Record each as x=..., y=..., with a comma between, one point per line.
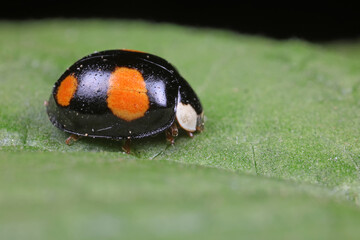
x=186, y=117
x=157, y=94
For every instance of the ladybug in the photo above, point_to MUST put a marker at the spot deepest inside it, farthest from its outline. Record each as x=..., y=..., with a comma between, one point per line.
x=123, y=95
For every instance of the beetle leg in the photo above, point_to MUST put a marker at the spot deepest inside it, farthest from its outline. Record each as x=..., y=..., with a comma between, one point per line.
x=171, y=133
x=126, y=146
x=169, y=137
x=174, y=130
x=73, y=138
x=190, y=134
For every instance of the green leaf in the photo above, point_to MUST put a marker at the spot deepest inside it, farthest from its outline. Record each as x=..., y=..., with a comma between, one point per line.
x=279, y=157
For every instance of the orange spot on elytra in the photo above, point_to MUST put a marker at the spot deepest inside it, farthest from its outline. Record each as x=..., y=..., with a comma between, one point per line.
x=66, y=90
x=131, y=50
x=127, y=97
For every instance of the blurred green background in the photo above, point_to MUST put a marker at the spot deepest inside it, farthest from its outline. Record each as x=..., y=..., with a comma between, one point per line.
x=279, y=158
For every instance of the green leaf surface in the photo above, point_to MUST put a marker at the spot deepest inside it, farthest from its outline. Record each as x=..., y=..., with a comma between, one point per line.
x=279, y=157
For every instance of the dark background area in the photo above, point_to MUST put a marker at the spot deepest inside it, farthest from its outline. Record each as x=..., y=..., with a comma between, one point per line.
x=312, y=23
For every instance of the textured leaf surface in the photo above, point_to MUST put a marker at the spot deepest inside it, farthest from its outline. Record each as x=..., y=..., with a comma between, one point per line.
x=279, y=158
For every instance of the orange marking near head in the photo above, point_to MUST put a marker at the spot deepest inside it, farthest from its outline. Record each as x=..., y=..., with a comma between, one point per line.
x=127, y=97
x=66, y=90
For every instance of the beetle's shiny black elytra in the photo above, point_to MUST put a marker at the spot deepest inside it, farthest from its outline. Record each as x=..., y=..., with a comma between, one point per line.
x=123, y=94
